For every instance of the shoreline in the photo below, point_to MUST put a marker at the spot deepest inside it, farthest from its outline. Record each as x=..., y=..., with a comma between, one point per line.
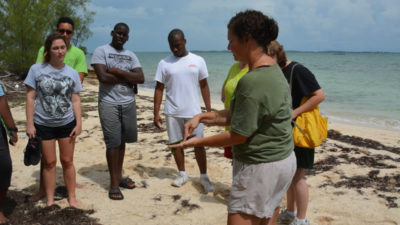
x=349, y=175
x=218, y=105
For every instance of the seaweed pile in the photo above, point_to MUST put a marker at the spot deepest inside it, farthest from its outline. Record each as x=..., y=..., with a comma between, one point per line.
x=22, y=212
x=384, y=186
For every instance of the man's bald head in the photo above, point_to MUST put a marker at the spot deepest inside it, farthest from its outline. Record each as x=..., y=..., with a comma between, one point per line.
x=176, y=33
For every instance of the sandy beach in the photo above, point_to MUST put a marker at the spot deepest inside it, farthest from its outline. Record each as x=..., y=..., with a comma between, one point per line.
x=356, y=179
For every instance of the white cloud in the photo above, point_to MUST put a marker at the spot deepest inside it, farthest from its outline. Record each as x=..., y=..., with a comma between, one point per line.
x=158, y=11
x=304, y=25
x=332, y=25
x=108, y=12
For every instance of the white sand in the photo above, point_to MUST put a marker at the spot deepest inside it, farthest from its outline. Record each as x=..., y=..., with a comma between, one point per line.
x=150, y=164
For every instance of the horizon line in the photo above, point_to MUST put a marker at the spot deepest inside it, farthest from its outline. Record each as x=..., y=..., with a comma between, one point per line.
x=305, y=51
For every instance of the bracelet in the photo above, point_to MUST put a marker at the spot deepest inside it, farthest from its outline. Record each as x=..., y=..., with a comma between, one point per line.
x=13, y=129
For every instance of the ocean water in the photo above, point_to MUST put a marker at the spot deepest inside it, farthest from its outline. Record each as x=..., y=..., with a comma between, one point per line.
x=360, y=88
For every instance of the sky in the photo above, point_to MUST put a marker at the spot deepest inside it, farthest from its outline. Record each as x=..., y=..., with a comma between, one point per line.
x=306, y=25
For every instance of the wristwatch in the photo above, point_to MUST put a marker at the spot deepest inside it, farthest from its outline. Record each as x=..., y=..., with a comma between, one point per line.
x=15, y=129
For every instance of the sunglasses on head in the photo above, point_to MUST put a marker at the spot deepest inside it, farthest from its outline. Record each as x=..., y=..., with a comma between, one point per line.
x=61, y=31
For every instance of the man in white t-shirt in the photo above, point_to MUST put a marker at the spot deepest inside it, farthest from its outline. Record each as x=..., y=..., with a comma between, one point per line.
x=181, y=74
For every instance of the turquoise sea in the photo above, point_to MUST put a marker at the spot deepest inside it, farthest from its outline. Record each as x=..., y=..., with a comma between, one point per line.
x=360, y=88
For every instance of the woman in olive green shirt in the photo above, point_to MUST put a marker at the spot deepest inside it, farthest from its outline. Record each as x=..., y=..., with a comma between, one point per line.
x=260, y=117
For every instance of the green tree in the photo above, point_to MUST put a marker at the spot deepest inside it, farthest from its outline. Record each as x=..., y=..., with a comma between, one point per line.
x=24, y=25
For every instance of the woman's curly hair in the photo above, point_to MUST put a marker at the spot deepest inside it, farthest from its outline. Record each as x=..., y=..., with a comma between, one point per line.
x=260, y=27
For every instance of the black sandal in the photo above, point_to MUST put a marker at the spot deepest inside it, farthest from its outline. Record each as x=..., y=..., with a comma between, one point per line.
x=115, y=194
x=127, y=183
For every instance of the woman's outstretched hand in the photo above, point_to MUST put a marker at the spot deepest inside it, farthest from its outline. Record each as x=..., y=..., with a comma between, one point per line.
x=190, y=126
x=190, y=142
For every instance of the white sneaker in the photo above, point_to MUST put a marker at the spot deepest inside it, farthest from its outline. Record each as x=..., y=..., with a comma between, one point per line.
x=207, y=185
x=179, y=181
x=296, y=221
x=285, y=218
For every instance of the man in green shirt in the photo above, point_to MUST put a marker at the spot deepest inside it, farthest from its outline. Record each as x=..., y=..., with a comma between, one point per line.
x=74, y=57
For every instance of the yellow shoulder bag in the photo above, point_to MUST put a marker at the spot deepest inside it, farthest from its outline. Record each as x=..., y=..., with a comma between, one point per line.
x=310, y=128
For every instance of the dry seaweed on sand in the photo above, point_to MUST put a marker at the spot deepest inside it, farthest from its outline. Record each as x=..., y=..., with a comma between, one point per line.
x=383, y=186
x=185, y=204
x=23, y=212
x=361, y=142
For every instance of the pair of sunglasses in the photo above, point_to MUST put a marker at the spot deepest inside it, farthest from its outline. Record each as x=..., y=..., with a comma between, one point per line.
x=61, y=31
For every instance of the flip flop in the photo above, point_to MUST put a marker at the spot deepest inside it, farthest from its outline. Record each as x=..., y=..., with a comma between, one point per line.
x=127, y=183
x=115, y=194
x=32, y=153
x=60, y=193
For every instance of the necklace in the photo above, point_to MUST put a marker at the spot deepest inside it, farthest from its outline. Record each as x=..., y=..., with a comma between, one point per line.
x=262, y=66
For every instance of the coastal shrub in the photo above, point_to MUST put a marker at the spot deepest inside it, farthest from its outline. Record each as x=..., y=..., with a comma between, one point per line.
x=24, y=24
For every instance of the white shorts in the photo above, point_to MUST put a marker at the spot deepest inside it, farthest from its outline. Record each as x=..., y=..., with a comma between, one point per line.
x=257, y=189
x=176, y=130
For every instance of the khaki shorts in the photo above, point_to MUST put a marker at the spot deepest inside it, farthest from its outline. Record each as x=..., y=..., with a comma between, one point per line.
x=257, y=189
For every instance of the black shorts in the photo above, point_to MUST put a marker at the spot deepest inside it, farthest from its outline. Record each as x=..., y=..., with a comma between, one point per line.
x=304, y=157
x=50, y=133
x=5, y=160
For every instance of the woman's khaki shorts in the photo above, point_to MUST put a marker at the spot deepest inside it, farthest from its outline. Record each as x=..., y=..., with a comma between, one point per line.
x=257, y=189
